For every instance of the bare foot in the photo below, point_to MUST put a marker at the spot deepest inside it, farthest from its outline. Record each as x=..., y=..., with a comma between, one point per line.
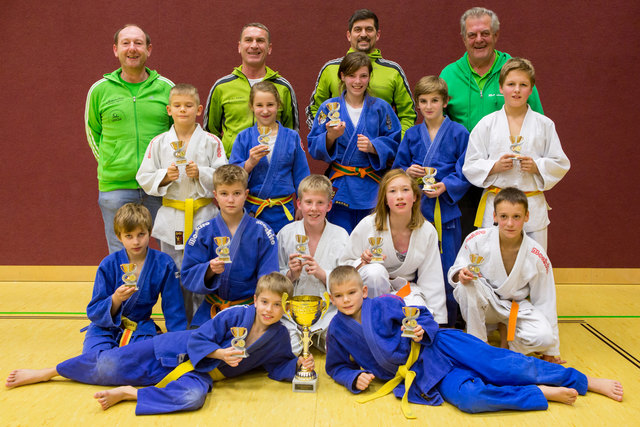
x=29, y=376
x=610, y=388
x=559, y=394
x=108, y=398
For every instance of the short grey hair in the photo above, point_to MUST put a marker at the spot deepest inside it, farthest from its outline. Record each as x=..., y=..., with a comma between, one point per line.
x=478, y=12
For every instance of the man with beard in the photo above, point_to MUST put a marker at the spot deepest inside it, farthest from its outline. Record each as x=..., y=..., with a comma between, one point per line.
x=388, y=81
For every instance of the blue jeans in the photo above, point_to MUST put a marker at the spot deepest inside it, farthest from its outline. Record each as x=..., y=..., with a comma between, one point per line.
x=111, y=201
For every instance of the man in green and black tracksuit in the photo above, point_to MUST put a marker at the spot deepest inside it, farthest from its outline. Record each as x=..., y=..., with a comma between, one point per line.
x=387, y=79
x=227, y=111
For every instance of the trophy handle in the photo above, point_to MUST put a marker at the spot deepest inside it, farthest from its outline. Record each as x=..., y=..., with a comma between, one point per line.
x=326, y=303
x=285, y=303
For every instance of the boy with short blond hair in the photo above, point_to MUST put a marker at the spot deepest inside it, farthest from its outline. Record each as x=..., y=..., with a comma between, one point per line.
x=120, y=313
x=365, y=342
x=177, y=370
x=515, y=276
x=438, y=143
x=324, y=247
x=516, y=147
x=178, y=166
x=250, y=245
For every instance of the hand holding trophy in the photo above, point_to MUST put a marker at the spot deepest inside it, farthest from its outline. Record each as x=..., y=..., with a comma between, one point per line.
x=305, y=310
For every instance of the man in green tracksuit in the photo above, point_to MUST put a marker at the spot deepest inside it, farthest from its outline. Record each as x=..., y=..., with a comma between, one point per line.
x=387, y=79
x=124, y=111
x=474, y=89
x=227, y=111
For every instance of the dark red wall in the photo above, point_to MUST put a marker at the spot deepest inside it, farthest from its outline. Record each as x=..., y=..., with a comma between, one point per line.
x=53, y=51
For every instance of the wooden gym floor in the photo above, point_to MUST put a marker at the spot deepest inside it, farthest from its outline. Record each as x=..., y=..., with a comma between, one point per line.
x=42, y=310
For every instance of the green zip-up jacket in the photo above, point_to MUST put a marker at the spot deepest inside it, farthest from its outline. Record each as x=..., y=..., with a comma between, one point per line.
x=227, y=112
x=468, y=104
x=387, y=82
x=120, y=126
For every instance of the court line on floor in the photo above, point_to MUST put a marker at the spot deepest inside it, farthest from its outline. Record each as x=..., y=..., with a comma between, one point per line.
x=608, y=341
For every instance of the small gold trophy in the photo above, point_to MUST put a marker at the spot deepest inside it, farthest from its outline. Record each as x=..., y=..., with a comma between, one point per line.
x=305, y=310
x=180, y=153
x=474, y=266
x=302, y=242
x=334, y=113
x=429, y=179
x=238, y=342
x=223, y=249
x=409, y=322
x=516, y=148
x=129, y=277
x=376, y=249
x=264, y=135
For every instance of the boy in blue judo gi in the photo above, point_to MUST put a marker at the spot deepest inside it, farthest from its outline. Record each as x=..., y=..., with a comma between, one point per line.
x=364, y=342
x=177, y=369
x=121, y=313
x=438, y=143
x=251, y=247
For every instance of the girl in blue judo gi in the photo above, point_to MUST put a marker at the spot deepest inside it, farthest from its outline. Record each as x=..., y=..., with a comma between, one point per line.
x=358, y=135
x=273, y=157
x=177, y=369
x=365, y=342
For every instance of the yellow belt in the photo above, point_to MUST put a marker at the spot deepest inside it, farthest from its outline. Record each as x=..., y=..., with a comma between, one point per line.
x=437, y=220
x=264, y=203
x=404, y=373
x=190, y=207
x=183, y=368
x=483, y=202
x=129, y=327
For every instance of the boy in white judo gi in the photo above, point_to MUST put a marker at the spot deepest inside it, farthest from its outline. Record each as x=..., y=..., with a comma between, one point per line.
x=177, y=370
x=324, y=246
x=365, y=342
x=178, y=166
x=516, y=147
x=514, y=281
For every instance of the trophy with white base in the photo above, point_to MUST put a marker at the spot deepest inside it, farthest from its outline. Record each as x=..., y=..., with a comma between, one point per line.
x=305, y=310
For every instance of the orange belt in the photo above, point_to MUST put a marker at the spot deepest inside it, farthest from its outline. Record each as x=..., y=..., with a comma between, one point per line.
x=218, y=304
x=264, y=203
x=341, y=170
x=483, y=202
x=129, y=327
x=513, y=317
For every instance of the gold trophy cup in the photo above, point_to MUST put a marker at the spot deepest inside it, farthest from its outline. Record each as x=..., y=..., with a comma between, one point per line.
x=516, y=148
x=474, y=266
x=223, y=249
x=264, y=135
x=302, y=241
x=179, y=152
x=334, y=113
x=409, y=322
x=238, y=342
x=305, y=310
x=376, y=249
x=429, y=179
x=129, y=277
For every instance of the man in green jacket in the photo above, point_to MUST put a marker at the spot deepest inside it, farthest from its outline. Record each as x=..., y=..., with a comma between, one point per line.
x=473, y=79
x=227, y=111
x=387, y=79
x=123, y=112
x=474, y=88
